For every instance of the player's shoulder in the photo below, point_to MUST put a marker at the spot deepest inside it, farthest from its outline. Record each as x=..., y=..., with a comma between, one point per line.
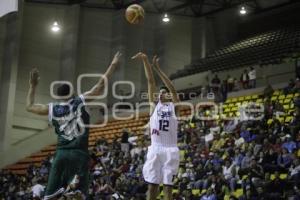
x=79, y=99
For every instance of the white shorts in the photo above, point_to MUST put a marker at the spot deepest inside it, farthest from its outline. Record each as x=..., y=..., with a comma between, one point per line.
x=161, y=165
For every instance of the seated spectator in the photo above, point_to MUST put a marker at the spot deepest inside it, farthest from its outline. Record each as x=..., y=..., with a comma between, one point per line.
x=230, y=126
x=274, y=189
x=269, y=162
x=289, y=87
x=268, y=91
x=256, y=173
x=218, y=142
x=38, y=190
x=43, y=170
x=209, y=195
x=188, y=195
x=246, y=162
x=284, y=161
x=289, y=144
x=247, y=135
x=294, y=172
x=229, y=174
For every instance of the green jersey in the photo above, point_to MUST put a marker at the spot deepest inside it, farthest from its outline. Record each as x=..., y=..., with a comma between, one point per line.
x=70, y=120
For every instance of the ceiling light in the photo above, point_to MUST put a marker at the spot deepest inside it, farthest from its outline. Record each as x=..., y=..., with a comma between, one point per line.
x=55, y=27
x=243, y=11
x=166, y=18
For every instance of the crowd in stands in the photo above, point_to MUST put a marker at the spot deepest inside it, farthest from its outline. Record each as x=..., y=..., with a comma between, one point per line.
x=219, y=88
x=247, y=80
x=225, y=159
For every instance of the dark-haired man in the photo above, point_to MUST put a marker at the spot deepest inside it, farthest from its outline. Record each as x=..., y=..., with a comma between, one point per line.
x=163, y=155
x=69, y=171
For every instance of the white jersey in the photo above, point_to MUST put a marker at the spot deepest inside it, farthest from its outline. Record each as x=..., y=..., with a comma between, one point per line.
x=164, y=125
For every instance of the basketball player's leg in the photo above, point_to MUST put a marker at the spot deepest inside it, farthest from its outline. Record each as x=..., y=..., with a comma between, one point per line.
x=152, y=173
x=167, y=192
x=77, y=174
x=153, y=191
x=54, y=186
x=169, y=170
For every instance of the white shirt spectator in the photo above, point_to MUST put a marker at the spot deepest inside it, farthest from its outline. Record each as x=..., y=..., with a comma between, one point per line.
x=136, y=150
x=252, y=74
x=37, y=190
x=227, y=171
x=239, y=142
x=215, y=130
x=132, y=140
x=294, y=171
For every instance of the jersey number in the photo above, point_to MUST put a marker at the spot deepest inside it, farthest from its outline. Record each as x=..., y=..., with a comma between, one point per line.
x=163, y=125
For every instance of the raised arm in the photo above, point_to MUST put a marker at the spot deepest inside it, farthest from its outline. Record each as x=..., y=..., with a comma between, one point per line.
x=40, y=109
x=150, y=78
x=168, y=83
x=98, y=88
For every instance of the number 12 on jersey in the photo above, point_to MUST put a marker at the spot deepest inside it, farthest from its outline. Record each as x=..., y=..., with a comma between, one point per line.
x=164, y=125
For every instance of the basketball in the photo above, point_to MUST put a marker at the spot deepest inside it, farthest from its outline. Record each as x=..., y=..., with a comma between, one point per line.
x=135, y=14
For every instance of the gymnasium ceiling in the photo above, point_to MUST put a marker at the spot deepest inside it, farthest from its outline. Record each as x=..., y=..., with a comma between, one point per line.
x=195, y=8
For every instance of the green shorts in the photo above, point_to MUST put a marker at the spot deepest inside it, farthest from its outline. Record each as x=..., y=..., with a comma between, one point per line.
x=66, y=164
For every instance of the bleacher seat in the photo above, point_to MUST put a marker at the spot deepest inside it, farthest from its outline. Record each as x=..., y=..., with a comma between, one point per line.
x=268, y=48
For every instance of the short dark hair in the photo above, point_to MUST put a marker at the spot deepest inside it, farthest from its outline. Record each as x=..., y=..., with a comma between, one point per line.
x=164, y=88
x=63, y=90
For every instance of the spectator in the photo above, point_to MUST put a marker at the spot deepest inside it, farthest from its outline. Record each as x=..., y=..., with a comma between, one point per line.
x=252, y=78
x=215, y=83
x=229, y=174
x=289, y=87
x=224, y=90
x=275, y=188
x=230, y=83
x=246, y=162
x=245, y=79
x=124, y=141
x=38, y=190
x=209, y=195
x=256, y=173
x=289, y=144
x=268, y=91
x=296, y=86
x=236, y=86
x=284, y=160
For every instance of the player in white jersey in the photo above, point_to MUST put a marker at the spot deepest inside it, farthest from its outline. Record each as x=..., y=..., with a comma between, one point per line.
x=163, y=155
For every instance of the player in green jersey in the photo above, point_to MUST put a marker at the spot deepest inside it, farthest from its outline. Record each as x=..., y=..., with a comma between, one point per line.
x=69, y=172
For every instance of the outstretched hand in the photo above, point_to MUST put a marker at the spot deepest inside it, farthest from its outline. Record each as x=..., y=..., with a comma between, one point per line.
x=34, y=77
x=116, y=59
x=139, y=55
x=155, y=62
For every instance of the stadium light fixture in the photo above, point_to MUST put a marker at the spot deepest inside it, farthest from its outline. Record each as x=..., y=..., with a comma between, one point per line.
x=166, y=18
x=243, y=11
x=55, y=27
